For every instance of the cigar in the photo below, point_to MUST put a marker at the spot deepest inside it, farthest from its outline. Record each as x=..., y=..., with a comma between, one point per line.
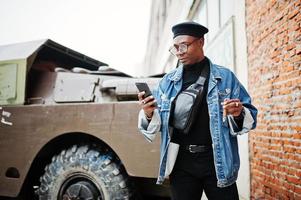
x=224, y=110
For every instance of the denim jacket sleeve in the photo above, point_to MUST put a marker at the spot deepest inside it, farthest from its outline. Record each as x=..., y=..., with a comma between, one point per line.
x=149, y=129
x=250, y=116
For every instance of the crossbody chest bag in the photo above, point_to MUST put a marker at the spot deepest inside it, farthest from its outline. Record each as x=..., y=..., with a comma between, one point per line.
x=185, y=105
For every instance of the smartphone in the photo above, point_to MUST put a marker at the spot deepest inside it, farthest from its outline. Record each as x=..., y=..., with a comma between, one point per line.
x=143, y=87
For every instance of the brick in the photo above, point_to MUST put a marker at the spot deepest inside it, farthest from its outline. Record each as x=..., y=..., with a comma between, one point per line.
x=297, y=51
x=298, y=151
x=297, y=128
x=293, y=13
x=294, y=27
x=290, y=47
x=297, y=189
x=296, y=59
x=295, y=180
x=297, y=196
x=297, y=136
x=275, y=53
x=276, y=59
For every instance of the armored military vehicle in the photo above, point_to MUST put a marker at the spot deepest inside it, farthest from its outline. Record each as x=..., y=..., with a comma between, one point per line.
x=68, y=127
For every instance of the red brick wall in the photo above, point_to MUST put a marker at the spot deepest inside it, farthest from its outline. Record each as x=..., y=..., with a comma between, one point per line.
x=274, y=61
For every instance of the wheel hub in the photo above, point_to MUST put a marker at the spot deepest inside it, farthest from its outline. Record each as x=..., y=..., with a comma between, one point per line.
x=79, y=188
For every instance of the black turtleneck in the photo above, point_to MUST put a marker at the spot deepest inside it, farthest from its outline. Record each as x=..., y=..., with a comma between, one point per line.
x=200, y=131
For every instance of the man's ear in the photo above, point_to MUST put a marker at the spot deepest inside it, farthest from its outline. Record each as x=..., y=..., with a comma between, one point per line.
x=202, y=40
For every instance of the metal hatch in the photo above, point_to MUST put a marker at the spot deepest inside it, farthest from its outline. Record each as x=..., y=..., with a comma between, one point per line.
x=17, y=59
x=48, y=49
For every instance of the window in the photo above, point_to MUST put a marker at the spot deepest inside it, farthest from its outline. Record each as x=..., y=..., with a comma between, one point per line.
x=226, y=10
x=213, y=18
x=201, y=15
x=214, y=14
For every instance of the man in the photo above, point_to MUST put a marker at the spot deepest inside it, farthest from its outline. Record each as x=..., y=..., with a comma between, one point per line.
x=205, y=159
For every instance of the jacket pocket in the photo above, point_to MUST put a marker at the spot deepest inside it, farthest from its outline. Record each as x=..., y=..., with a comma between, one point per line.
x=224, y=93
x=222, y=96
x=165, y=103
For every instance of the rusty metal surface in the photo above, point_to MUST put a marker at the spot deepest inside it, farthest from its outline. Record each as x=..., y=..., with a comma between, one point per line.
x=34, y=126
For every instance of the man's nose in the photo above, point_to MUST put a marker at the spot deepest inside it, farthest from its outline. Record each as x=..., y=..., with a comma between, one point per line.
x=179, y=54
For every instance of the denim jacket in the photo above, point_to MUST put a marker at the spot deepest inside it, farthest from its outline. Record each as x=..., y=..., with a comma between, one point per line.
x=222, y=84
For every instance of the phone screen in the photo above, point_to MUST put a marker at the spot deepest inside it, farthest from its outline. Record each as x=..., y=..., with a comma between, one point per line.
x=143, y=87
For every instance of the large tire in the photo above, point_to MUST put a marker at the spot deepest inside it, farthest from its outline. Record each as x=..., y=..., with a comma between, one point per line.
x=84, y=173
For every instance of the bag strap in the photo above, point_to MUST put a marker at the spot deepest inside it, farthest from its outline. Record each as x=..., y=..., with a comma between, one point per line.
x=201, y=80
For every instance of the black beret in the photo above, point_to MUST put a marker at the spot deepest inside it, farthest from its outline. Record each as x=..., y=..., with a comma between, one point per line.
x=189, y=28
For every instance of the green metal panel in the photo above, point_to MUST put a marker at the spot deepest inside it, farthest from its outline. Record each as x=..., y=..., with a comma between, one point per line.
x=8, y=81
x=12, y=82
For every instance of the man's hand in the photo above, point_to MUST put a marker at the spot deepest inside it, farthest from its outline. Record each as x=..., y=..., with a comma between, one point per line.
x=232, y=107
x=148, y=104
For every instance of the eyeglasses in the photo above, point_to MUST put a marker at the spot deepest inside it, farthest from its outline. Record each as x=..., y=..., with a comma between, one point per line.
x=181, y=48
